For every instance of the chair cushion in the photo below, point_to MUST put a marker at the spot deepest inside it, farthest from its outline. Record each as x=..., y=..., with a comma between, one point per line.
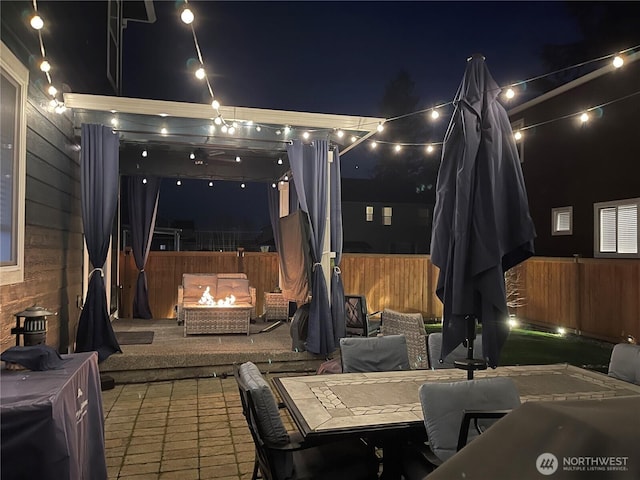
x=443, y=405
x=434, y=348
x=374, y=354
x=271, y=427
x=238, y=287
x=625, y=363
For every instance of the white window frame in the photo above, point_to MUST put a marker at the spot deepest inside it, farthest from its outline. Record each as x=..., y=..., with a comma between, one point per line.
x=368, y=213
x=555, y=213
x=387, y=214
x=515, y=126
x=597, y=207
x=19, y=75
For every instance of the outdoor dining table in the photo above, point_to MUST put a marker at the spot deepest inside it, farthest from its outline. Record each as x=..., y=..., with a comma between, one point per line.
x=387, y=403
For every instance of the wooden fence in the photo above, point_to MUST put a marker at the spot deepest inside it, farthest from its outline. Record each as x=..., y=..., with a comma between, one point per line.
x=597, y=297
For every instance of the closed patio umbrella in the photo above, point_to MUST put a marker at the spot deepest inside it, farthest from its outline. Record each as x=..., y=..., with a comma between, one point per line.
x=481, y=222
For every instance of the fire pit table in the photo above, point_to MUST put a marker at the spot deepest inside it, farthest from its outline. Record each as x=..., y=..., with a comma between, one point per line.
x=204, y=319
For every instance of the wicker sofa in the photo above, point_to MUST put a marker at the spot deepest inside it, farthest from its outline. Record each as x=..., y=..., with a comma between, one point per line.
x=220, y=286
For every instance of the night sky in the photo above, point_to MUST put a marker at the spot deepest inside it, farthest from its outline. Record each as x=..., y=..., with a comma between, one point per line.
x=328, y=57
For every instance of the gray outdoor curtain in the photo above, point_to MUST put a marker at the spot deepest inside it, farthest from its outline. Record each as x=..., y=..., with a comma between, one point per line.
x=309, y=167
x=337, y=288
x=143, y=205
x=99, y=189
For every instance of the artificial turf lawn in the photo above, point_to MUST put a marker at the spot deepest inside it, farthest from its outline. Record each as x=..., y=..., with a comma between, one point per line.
x=533, y=347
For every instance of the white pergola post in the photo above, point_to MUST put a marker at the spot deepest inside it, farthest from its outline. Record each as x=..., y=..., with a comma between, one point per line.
x=327, y=254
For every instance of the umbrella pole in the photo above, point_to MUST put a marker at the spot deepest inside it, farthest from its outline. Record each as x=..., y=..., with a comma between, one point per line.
x=470, y=364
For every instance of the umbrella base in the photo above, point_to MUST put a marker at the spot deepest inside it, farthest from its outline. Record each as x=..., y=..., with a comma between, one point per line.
x=470, y=365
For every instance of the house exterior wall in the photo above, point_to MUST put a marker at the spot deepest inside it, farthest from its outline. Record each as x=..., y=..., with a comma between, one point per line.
x=567, y=163
x=53, y=223
x=409, y=232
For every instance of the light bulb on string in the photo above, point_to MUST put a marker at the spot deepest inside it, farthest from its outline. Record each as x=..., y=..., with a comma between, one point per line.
x=618, y=61
x=232, y=130
x=60, y=108
x=53, y=103
x=287, y=129
x=429, y=148
x=238, y=159
x=278, y=132
x=224, y=129
x=200, y=74
x=510, y=93
x=215, y=104
x=114, y=121
x=286, y=178
x=397, y=148
x=584, y=118
x=305, y=135
x=187, y=16
x=144, y=181
x=435, y=114
x=212, y=129
x=273, y=185
x=45, y=66
x=218, y=120
x=192, y=156
x=340, y=134
x=374, y=144
x=380, y=127
x=353, y=138
x=211, y=184
x=258, y=128
x=36, y=22
x=163, y=131
x=179, y=183
x=242, y=185
x=51, y=90
x=144, y=153
x=517, y=135
x=279, y=161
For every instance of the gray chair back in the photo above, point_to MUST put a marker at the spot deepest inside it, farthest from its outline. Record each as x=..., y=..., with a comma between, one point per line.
x=374, y=354
x=434, y=348
x=625, y=363
x=443, y=406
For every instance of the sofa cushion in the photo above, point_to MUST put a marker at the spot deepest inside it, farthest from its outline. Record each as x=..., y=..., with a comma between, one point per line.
x=271, y=426
x=238, y=287
x=195, y=284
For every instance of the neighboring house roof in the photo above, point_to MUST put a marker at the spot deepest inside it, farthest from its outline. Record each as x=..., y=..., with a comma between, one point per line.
x=572, y=84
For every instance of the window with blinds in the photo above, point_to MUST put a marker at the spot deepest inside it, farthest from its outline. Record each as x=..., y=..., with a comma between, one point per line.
x=387, y=212
x=369, y=213
x=562, y=221
x=616, y=229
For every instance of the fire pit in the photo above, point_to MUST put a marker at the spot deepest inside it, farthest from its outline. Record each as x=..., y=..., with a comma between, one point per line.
x=211, y=316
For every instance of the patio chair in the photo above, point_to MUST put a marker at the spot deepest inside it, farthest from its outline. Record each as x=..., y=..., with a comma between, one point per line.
x=434, y=347
x=358, y=320
x=448, y=410
x=374, y=354
x=283, y=456
x=411, y=325
x=625, y=363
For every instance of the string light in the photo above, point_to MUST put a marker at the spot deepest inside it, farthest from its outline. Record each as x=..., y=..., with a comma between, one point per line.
x=238, y=159
x=212, y=129
x=584, y=118
x=216, y=106
x=340, y=133
x=353, y=138
x=397, y=148
x=45, y=66
x=435, y=114
x=380, y=127
x=279, y=161
x=179, y=182
x=144, y=181
x=187, y=16
x=211, y=184
x=618, y=61
x=200, y=74
x=305, y=135
x=144, y=153
x=232, y=130
x=51, y=90
x=430, y=148
x=242, y=185
x=163, y=131
x=517, y=135
x=224, y=129
x=218, y=120
x=374, y=144
x=258, y=128
x=510, y=93
x=192, y=156
x=273, y=185
x=36, y=22
x=287, y=130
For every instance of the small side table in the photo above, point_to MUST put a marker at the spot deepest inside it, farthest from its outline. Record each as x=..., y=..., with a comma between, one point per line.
x=275, y=307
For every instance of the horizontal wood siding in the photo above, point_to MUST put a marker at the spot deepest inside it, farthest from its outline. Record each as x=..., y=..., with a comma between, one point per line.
x=53, y=228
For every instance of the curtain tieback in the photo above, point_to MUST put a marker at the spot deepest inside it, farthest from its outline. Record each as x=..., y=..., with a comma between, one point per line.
x=142, y=270
x=316, y=264
x=97, y=270
x=337, y=270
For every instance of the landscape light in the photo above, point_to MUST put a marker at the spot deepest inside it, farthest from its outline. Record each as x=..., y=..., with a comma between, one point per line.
x=187, y=16
x=561, y=331
x=36, y=22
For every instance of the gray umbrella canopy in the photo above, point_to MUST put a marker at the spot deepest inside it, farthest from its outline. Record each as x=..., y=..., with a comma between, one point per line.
x=481, y=223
